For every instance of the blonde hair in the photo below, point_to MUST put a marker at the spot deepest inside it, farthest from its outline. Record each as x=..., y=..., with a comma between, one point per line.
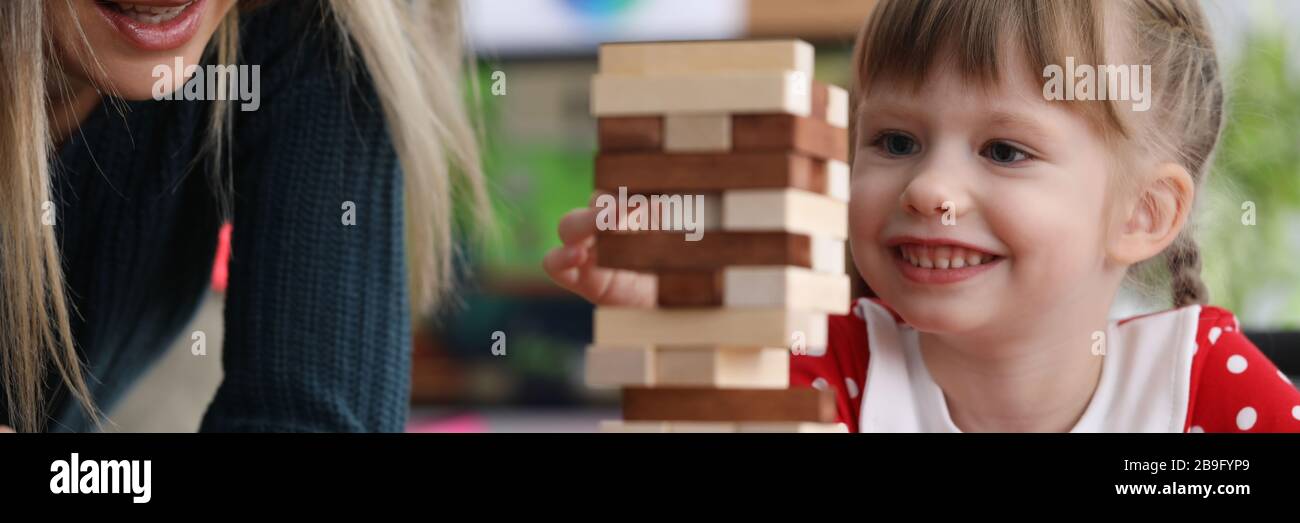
x=414, y=55
x=903, y=40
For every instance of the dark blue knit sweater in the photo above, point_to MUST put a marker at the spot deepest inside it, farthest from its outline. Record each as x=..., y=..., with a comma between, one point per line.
x=317, y=334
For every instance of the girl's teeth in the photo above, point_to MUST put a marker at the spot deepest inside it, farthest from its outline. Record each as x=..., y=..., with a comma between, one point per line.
x=151, y=14
x=942, y=257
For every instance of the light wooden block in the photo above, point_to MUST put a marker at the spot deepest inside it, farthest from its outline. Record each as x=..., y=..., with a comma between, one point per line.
x=837, y=107
x=755, y=286
x=732, y=92
x=837, y=180
x=635, y=427
x=658, y=58
x=792, y=427
x=827, y=255
x=609, y=367
x=699, y=366
x=790, y=210
x=697, y=132
x=741, y=327
x=789, y=287
x=760, y=368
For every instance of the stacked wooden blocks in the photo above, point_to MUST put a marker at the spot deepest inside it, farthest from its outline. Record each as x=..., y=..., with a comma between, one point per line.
x=743, y=124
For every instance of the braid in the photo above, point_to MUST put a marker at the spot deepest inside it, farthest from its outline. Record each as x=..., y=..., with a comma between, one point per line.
x=1184, y=259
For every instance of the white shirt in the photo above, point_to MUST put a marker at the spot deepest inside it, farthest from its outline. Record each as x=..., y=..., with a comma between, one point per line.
x=1144, y=387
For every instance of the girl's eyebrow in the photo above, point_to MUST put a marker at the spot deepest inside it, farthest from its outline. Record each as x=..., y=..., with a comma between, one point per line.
x=1020, y=121
x=869, y=110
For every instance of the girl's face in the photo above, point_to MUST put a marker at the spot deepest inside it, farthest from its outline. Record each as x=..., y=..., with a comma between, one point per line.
x=129, y=39
x=971, y=208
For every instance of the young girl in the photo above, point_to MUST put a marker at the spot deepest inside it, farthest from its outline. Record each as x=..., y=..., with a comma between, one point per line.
x=996, y=223
x=112, y=193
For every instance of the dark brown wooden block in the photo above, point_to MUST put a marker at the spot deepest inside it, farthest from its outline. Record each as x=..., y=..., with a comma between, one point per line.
x=630, y=133
x=778, y=132
x=700, y=404
x=668, y=173
x=655, y=251
x=690, y=289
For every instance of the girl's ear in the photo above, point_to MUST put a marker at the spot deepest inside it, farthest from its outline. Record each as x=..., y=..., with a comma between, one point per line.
x=1157, y=215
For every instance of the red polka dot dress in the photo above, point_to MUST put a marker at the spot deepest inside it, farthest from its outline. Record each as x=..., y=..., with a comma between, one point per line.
x=1182, y=370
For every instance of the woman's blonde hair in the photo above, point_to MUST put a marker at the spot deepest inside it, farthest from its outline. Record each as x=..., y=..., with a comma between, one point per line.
x=904, y=40
x=413, y=53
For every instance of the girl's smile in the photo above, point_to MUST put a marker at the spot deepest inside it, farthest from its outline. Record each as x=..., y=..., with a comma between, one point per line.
x=940, y=261
x=154, y=25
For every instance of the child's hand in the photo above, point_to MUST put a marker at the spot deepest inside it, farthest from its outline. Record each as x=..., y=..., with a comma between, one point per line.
x=573, y=266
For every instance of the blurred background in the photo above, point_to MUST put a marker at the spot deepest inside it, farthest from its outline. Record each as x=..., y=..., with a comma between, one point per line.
x=538, y=153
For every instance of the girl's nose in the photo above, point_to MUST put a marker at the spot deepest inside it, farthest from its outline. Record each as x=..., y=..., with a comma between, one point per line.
x=935, y=191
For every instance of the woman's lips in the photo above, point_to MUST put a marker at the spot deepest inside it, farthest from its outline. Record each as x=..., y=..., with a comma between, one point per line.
x=154, y=25
x=940, y=270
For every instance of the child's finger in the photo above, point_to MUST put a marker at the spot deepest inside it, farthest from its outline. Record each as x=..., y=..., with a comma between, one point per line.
x=561, y=259
x=577, y=225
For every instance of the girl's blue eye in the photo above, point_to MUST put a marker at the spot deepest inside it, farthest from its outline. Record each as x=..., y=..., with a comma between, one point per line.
x=1002, y=152
x=896, y=144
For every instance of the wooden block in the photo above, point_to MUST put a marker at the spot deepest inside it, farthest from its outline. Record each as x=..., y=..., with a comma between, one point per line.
x=697, y=132
x=669, y=251
x=837, y=107
x=658, y=212
x=666, y=251
x=827, y=255
x=779, y=132
x=701, y=427
x=690, y=289
x=630, y=133
x=722, y=367
x=741, y=327
x=620, y=426
x=658, y=58
x=837, y=180
x=749, y=133
x=669, y=173
x=763, y=287
x=688, y=366
x=791, y=427
x=619, y=366
x=829, y=20
x=730, y=92
x=699, y=404
x=788, y=287
x=641, y=427
x=791, y=210
x=820, y=95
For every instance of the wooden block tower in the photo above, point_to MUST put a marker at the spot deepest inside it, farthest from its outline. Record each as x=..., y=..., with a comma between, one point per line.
x=742, y=124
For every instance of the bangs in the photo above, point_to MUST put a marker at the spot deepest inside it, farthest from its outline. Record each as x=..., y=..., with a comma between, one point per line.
x=904, y=40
